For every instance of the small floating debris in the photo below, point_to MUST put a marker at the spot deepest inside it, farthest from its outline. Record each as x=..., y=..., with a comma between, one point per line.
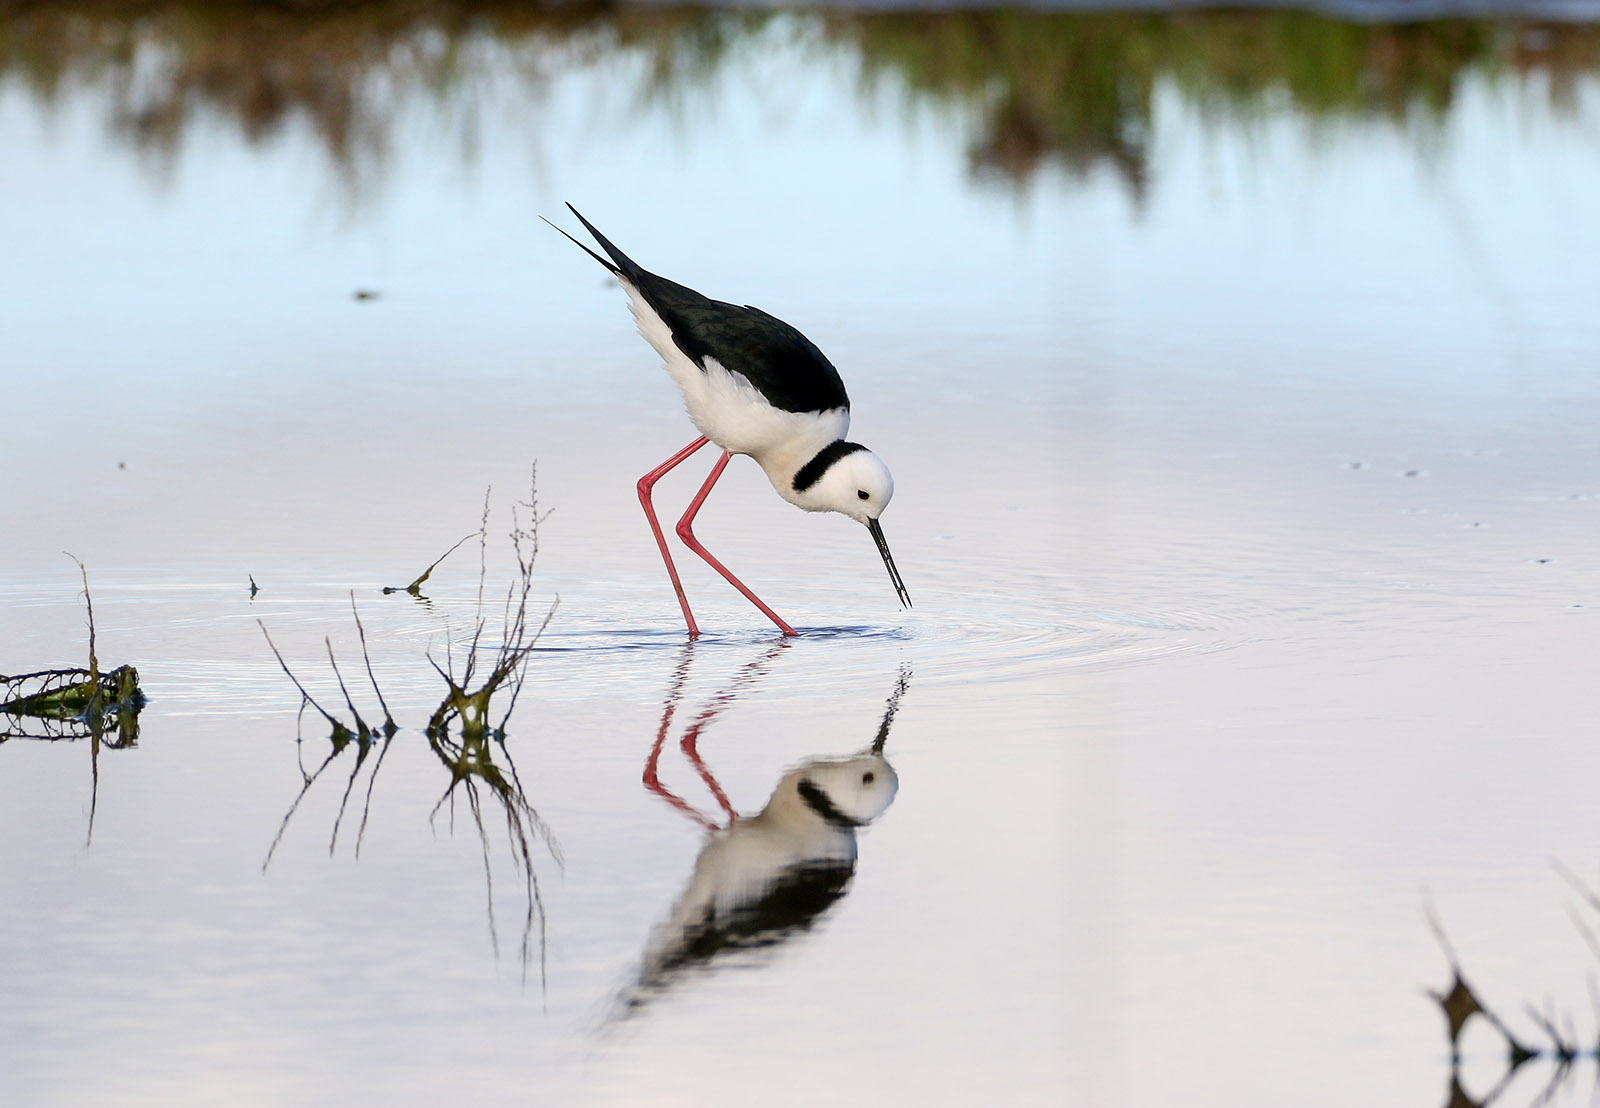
x=64, y=694
x=71, y=702
x=366, y=294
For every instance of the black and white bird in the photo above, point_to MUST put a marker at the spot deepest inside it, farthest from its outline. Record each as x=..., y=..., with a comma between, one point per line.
x=752, y=385
x=766, y=878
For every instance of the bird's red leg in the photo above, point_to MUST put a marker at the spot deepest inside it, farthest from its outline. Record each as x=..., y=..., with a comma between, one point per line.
x=648, y=482
x=686, y=533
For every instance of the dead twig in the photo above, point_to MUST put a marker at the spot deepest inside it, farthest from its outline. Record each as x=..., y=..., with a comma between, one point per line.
x=475, y=755
x=415, y=588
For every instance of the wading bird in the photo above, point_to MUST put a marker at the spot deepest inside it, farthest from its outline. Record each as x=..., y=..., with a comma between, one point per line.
x=760, y=880
x=753, y=385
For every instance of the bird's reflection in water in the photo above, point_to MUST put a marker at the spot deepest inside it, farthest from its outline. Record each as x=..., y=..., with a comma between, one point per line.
x=764, y=878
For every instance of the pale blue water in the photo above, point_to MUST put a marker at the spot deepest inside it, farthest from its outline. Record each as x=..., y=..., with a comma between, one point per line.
x=1252, y=529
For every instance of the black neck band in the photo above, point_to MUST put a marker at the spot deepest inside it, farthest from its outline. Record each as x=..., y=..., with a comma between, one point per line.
x=818, y=802
x=812, y=471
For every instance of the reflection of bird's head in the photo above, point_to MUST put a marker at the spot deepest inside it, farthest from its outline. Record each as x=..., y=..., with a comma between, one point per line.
x=767, y=876
x=843, y=793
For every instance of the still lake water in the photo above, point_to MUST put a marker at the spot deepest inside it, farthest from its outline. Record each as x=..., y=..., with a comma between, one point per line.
x=1241, y=380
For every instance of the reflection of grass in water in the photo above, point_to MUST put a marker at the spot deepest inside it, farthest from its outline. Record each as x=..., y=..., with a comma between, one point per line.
x=459, y=734
x=1078, y=89
x=345, y=69
x=1075, y=90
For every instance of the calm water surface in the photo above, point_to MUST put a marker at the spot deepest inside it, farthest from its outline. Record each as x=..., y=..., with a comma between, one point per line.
x=1238, y=374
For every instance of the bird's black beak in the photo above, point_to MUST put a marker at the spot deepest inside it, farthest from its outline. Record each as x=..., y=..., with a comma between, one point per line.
x=888, y=560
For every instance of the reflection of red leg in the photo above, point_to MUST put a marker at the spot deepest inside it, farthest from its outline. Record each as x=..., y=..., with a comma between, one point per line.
x=690, y=738
x=686, y=533
x=646, y=483
x=652, y=779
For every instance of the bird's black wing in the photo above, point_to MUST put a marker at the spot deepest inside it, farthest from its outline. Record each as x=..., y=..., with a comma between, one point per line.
x=782, y=364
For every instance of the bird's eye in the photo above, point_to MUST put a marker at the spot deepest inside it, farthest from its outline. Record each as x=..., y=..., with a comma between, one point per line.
x=862, y=494
x=866, y=778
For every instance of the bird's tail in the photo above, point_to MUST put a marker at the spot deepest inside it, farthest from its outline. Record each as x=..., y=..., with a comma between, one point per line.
x=586, y=250
x=624, y=267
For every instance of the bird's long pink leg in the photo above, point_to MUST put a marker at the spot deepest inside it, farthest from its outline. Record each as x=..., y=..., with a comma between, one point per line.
x=686, y=533
x=648, y=482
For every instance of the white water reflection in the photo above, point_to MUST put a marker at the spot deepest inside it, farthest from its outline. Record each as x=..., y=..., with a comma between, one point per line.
x=1252, y=527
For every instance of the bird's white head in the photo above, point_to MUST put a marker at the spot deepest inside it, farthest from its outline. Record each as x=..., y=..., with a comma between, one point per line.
x=845, y=793
x=857, y=484
x=848, y=478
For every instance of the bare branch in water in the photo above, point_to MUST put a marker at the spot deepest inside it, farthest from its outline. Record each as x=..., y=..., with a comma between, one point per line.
x=415, y=588
x=72, y=703
x=1562, y=1044
x=88, y=602
x=389, y=727
x=362, y=729
x=458, y=731
x=483, y=574
x=339, y=729
x=1461, y=1003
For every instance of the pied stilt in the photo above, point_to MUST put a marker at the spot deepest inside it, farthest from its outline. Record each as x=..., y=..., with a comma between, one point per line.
x=752, y=385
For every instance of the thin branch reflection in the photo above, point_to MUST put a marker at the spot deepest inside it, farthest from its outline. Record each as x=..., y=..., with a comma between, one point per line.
x=461, y=735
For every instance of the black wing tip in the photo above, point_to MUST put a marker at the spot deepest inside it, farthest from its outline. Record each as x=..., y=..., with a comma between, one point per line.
x=614, y=270
x=625, y=267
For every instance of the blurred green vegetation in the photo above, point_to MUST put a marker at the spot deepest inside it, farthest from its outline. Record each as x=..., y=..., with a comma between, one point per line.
x=1079, y=89
x=1075, y=91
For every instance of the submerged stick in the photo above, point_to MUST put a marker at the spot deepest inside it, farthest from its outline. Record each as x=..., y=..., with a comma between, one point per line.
x=1460, y=1004
x=415, y=588
x=94, y=662
x=389, y=726
x=339, y=729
